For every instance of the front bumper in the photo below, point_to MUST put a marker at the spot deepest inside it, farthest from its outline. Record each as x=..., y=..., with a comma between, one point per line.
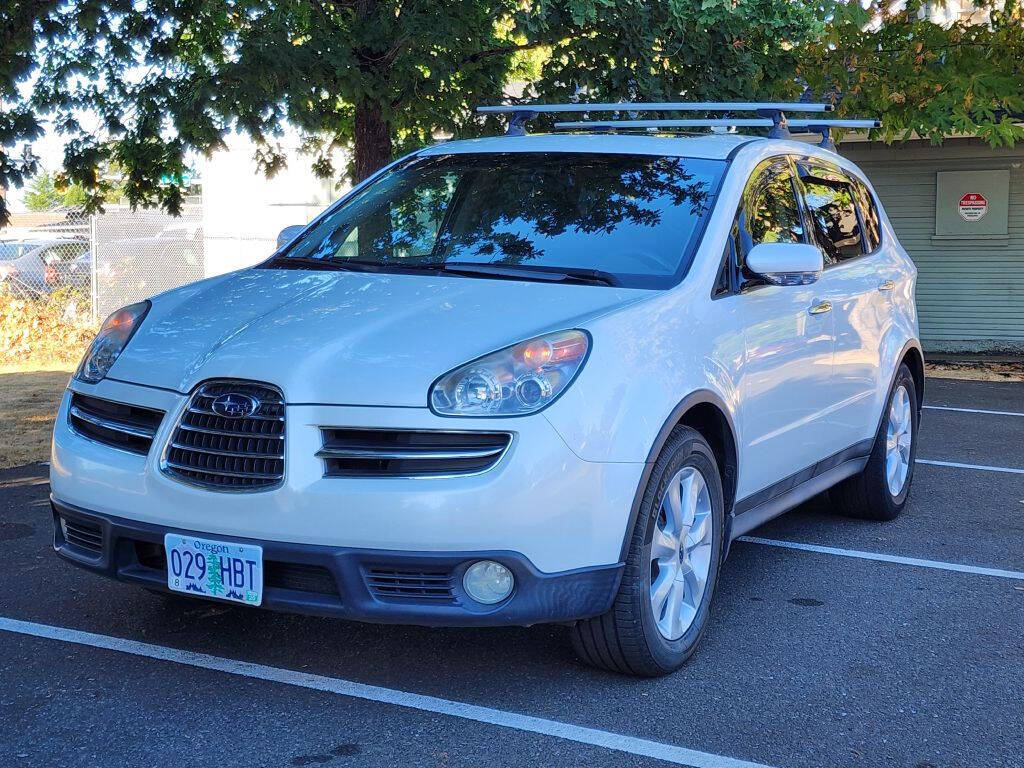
x=346, y=582
x=541, y=500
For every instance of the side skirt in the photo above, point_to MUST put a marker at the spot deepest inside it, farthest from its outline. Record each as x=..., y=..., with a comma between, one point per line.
x=760, y=507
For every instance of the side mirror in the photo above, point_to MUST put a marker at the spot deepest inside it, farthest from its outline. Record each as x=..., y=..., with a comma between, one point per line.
x=288, y=234
x=786, y=263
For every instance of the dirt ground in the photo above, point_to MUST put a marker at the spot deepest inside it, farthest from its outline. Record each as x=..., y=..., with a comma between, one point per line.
x=28, y=403
x=977, y=370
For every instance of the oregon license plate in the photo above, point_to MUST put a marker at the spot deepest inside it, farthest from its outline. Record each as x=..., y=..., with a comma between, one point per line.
x=220, y=569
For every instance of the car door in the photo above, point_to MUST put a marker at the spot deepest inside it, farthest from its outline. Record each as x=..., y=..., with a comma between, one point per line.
x=854, y=282
x=788, y=342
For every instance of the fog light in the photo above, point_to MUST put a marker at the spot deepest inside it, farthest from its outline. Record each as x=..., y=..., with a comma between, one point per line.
x=488, y=582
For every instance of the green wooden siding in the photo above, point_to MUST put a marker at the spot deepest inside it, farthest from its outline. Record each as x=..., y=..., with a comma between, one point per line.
x=970, y=293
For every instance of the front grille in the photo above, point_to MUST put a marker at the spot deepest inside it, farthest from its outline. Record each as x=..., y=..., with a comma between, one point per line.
x=124, y=426
x=404, y=452
x=391, y=583
x=86, y=537
x=244, y=453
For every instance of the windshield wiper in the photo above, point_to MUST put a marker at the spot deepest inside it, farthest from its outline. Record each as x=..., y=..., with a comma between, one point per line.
x=306, y=262
x=341, y=265
x=545, y=274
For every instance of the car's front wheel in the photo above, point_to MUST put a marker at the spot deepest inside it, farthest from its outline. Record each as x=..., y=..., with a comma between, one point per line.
x=662, y=606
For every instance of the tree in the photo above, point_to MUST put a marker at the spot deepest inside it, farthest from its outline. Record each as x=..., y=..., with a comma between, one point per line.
x=20, y=26
x=920, y=77
x=144, y=84
x=170, y=77
x=45, y=193
x=42, y=194
x=714, y=50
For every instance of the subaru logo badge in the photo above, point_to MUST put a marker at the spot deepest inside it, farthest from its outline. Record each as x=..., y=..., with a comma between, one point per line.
x=235, y=406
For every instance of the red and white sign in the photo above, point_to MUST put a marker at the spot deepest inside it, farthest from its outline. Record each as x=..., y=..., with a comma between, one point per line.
x=972, y=206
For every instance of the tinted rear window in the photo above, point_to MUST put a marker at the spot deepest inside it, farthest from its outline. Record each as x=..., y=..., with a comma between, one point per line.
x=636, y=217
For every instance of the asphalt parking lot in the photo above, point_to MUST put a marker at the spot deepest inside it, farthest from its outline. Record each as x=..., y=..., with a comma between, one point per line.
x=873, y=644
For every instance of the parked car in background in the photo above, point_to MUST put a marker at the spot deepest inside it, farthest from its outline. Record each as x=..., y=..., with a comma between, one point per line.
x=508, y=381
x=34, y=267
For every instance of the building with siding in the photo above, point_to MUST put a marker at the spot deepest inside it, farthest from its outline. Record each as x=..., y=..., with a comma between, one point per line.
x=958, y=209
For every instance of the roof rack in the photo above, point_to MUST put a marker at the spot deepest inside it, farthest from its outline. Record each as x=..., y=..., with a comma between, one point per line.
x=823, y=127
x=771, y=114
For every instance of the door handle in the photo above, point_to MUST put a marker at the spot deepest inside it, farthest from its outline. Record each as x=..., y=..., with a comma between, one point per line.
x=888, y=285
x=820, y=308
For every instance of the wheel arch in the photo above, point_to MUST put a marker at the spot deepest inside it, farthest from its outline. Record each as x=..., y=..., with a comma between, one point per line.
x=706, y=412
x=914, y=359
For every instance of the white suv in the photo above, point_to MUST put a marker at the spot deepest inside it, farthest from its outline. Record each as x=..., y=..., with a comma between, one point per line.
x=507, y=381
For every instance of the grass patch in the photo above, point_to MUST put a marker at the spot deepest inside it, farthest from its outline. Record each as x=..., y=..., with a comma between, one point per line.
x=28, y=402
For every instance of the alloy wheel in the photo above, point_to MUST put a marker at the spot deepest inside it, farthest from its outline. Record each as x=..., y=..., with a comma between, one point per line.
x=681, y=552
x=898, y=438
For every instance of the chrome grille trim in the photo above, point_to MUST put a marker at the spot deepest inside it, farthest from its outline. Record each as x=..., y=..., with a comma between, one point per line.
x=361, y=453
x=123, y=426
x=379, y=452
x=235, y=454
x=110, y=424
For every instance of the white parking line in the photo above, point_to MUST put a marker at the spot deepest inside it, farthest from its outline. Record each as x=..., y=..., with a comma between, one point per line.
x=577, y=733
x=971, y=410
x=937, y=564
x=983, y=467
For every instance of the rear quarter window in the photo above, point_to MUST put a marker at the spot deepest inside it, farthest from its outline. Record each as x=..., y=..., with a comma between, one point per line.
x=869, y=216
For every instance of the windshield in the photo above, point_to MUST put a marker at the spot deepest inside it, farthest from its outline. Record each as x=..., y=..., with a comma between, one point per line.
x=10, y=251
x=633, y=219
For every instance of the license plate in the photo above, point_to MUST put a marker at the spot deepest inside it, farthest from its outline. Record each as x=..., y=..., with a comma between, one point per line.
x=220, y=569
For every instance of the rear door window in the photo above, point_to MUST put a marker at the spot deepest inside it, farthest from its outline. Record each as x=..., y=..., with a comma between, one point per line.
x=830, y=198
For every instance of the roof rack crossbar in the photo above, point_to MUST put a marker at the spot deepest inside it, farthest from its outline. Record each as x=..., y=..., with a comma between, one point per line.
x=801, y=125
x=717, y=122
x=519, y=115
x=661, y=106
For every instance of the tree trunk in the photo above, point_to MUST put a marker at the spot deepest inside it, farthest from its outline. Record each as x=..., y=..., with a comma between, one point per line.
x=372, y=141
x=372, y=152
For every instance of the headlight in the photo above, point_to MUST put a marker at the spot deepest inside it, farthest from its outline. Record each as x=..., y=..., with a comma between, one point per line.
x=113, y=337
x=515, y=381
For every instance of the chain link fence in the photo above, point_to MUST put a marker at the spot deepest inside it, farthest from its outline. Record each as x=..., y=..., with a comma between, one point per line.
x=62, y=273
x=144, y=252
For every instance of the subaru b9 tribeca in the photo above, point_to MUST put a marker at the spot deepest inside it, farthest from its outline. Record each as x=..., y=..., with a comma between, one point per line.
x=506, y=381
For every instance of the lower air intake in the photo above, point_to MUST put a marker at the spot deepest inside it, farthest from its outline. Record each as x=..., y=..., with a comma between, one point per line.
x=390, y=583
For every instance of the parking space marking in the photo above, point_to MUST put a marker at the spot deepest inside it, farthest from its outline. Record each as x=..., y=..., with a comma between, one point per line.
x=971, y=410
x=577, y=733
x=878, y=556
x=983, y=467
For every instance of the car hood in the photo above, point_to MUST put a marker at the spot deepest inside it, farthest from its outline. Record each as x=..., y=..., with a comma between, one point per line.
x=346, y=337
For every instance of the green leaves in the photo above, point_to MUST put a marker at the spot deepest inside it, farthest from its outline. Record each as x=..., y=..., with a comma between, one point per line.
x=922, y=77
x=146, y=84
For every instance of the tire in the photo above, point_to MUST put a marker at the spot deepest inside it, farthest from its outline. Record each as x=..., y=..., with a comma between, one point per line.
x=869, y=495
x=629, y=638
